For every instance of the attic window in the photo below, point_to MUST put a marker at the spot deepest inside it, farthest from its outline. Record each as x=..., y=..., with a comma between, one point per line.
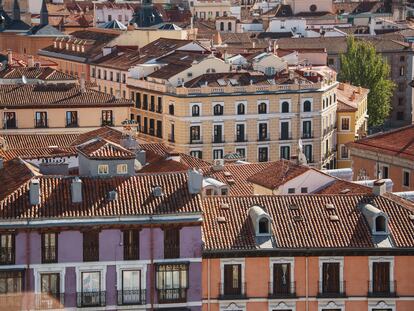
x=264, y=226
x=333, y=218
x=293, y=207
x=380, y=224
x=221, y=219
x=329, y=206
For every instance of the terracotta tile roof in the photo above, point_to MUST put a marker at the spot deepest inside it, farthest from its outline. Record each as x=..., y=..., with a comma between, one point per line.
x=399, y=143
x=99, y=148
x=56, y=96
x=37, y=153
x=349, y=96
x=134, y=198
x=40, y=73
x=308, y=225
x=360, y=7
x=339, y=186
x=168, y=164
x=105, y=132
x=13, y=174
x=31, y=141
x=160, y=47
x=23, y=59
x=241, y=78
x=277, y=174
x=121, y=60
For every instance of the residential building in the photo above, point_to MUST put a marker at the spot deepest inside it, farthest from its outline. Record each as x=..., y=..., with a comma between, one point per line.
x=393, y=47
x=209, y=10
x=307, y=252
x=145, y=254
x=352, y=119
x=386, y=155
x=222, y=112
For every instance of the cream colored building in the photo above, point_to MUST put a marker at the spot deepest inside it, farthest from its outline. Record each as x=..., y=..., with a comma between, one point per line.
x=261, y=118
x=209, y=10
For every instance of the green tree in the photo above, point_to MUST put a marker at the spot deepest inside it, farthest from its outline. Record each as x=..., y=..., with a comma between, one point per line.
x=362, y=66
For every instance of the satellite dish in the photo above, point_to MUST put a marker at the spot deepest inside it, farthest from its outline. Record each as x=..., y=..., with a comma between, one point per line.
x=24, y=79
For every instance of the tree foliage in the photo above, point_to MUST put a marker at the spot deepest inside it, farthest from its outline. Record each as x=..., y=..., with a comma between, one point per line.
x=362, y=66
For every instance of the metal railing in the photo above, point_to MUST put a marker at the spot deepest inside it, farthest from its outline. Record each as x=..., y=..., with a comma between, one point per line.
x=131, y=297
x=44, y=123
x=228, y=292
x=241, y=138
x=263, y=138
x=49, y=301
x=307, y=135
x=331, y=290
x=91, y=299
x=10, y=124
x=287, y=290
x=105, y=122
x=196, y=140
x=91, y=253
x=6, y=255
x=217, y=139
x=11, y=301
x=71, y=123
x=131, y=252
x=172, y=295
x=285, y=136
x=382, y=289
x=49, y=254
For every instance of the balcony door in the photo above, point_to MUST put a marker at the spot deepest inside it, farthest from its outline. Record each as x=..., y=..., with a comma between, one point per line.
x=281, y=278
x=381, y=277
x=232, y=280
x=131, y=286
x=218, y=134
x=41, y=119
x=50, y=289
x=9, y=120
x=91, y=288
x=330, y=277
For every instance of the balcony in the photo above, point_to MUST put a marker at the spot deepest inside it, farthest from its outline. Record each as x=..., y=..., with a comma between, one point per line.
x=217, y=139
x=171, y=138
x=90, y=299
x=11, y=301
x=91, y=253
x=172, y=295
x=382, y=290
x=241, y=139
x=131, y=297
x=263, y=137
x=228, y=293
x=331, y=290
x=41, y=123
x=10, y=124
x=196, y=140
x=286, y=136
x=72, y=123
x=131, y=252
x=6, y=256
x=282, y=291
x=49, y=254
x=107, y=122
x=46, y=301
x=308, y=135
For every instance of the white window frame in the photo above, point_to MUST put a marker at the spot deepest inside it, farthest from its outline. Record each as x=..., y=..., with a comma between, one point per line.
x=131, y=266
x=285, y=145
x=380, y=167
x=302, y=105
x=44, y=270
x=281, y=260
x=268, y=152
x=330, y=259
x=232, y=261
x=244, y=148
x=122, y=172
x=200, y=107
x=289, y=101
x=340, y=152
x=389, y=259
x=340, y=123
x=199, y=124
x=289, y=127
x=212, y=151
x=212, y=108
x=331, y=304
x=244, y=103
x=265, y=101
x=103, y=165
x=90, y=268
x=409, y=178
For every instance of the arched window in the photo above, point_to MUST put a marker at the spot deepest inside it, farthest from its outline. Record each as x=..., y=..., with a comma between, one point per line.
x=221, y=26
x=195, y=111
x=264, y=226
x=218, y=110
x=171, y=109
x=380, y=224
x=240, y=109
x=262, y=108
x=307, y=106
x=229, y=26
x=285, y=107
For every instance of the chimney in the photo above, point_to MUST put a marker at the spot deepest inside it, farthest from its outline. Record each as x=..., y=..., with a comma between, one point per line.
x=174, y=156
x=195, y=181
x=379, y=187
x=34, y=192
x=76, y=190
x=82, y=83
x=30, y=61
x=10, y=57
x=341, y=86
x=352, y=96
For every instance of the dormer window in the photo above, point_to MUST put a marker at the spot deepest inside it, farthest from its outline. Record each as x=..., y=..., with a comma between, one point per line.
x=260, y=220
x=380, y=224
x=264, y=226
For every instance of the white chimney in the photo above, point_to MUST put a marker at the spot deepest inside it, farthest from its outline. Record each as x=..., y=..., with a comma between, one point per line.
x=82, y=83
x=34, y=192
x=76, y=190
x=30, y=61
x=195, y=181
x=379, y=187
x=9, y=57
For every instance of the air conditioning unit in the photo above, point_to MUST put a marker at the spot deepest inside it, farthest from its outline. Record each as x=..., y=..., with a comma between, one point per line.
x=218, y=164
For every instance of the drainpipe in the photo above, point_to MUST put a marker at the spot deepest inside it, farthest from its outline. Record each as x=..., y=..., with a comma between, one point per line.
x=307, y=284
x=208, y=285
x=27, y=276
x=152, y=278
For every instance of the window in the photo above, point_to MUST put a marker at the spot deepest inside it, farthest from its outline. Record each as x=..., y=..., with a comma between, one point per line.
x=384, y=172
x=270, y=71
x=152, y=103
x=285, y=152
x=285, y=107
x=218, y=133
x=195, y=134
x=262, y=132
x=401, y=87
x=195, y=110
x=122, y=169
x=218, y=110
x=159, y=129
x=330, y=278
x=145, y=102
x=241, y=152
x=282, y=286
x=91, y=294
x=7, y=249
x=171, y=109
x=241, y=109
x=232, y=285
x=111, y=76
x=380, y=224
x=172, y=282
x=50, y=289
x=109, y=17
x=406, y=178
x=41, y=119
x=304, y=190
x=307, y=149
x=159, y=104
x=331, y=62
x=131, y=293
x=307, y=106
x=402, y=58
x=49, y=247
x=345, y=126
x=400, y=101
x=263, y=154
x=9, y=120
x=107, y=117
x=284, y=131
x=240, y=133
x=91, y=246
x=71, y=118
x=221, y=26
x=11, y=282
x=262, y=108
x=103, y=169
x=307, y=129
x=137, y=100
x=291, y=190
x=400, y=115
x=264, y=226
x=196, y=154
x=229, y=26
x=217, y=154
x=344, y=152
x=381, y=284
x=171, y=243
x=131, y=244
